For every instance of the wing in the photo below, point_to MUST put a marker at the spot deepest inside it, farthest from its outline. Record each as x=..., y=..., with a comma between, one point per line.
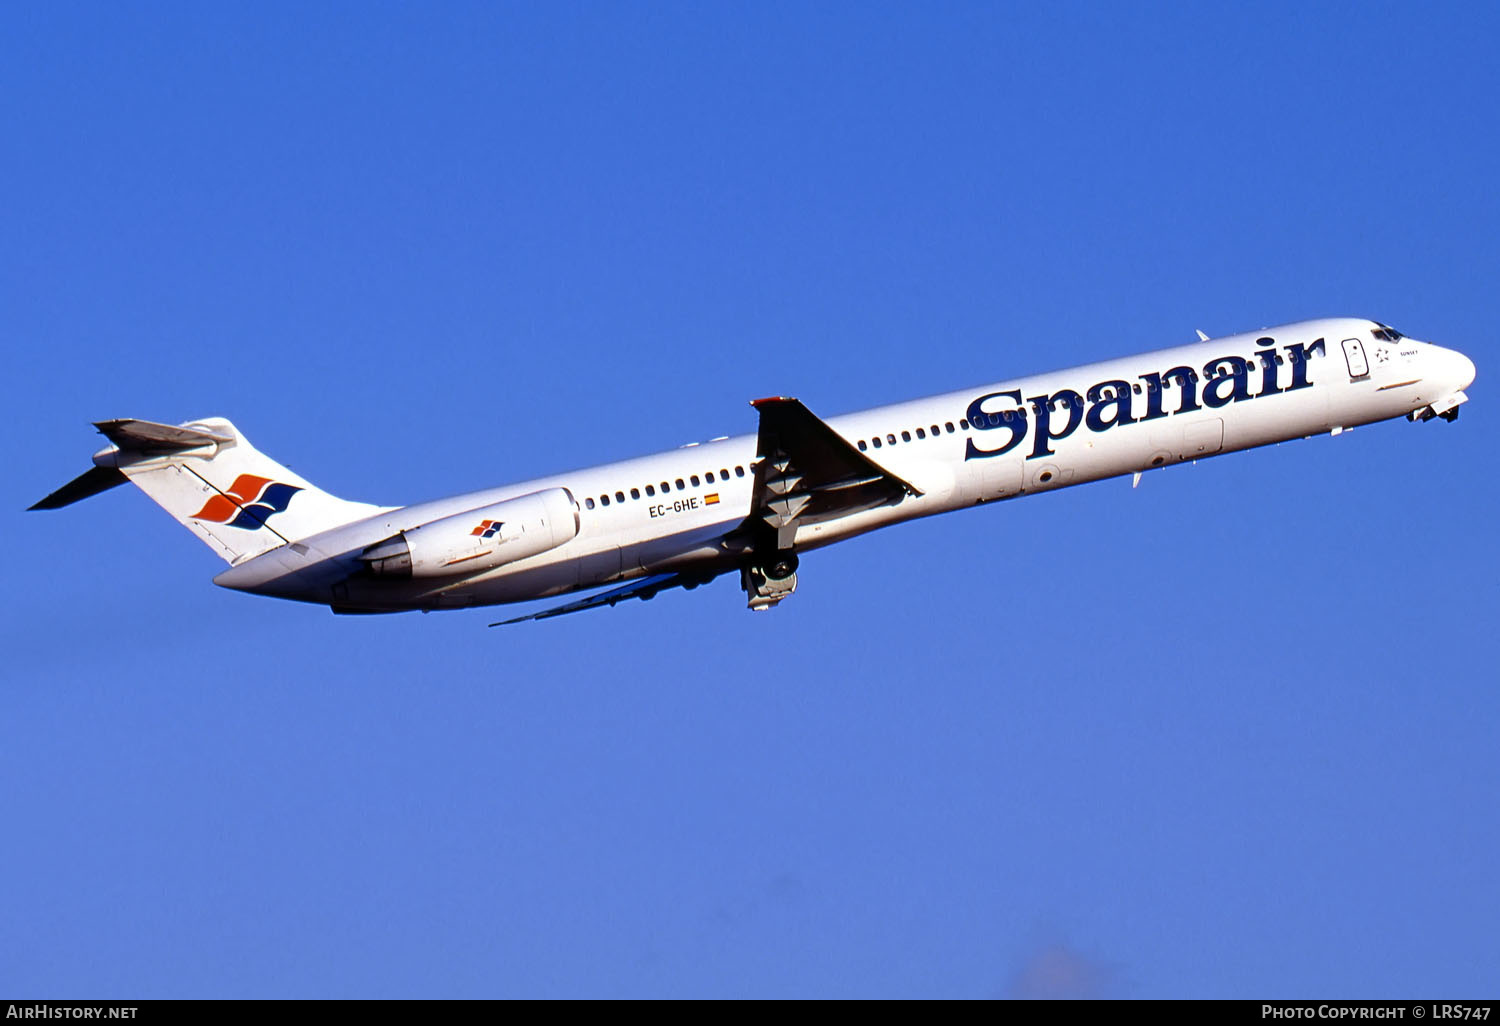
x=807, y=473
x=645, y=588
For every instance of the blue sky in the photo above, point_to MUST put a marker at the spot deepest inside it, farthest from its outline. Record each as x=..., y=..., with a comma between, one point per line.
x=1229, y=734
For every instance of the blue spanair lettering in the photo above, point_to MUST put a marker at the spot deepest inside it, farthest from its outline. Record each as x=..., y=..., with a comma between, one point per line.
x=1042, y=406
x=1154, y=392
x=1187, y=382
x=1226, y=379
x=1107, y=396
x=1013, y=420
x=1232, y=369
x=1297, y=355
x=1268, y=360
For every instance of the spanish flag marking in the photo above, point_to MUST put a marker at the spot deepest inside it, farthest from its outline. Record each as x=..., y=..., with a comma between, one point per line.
x=711, y=499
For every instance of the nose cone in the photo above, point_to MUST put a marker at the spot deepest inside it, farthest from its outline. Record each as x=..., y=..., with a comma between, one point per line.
x=1458, y=369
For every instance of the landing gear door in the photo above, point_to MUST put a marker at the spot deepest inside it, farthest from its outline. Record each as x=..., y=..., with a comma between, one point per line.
x=1354, y=356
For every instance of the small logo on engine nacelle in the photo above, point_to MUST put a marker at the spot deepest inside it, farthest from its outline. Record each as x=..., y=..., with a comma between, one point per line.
x=487, y=528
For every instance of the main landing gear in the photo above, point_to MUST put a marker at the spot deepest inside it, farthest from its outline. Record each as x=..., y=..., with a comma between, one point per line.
x=769, y=579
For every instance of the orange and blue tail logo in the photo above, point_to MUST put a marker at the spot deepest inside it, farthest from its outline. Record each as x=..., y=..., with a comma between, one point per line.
x=248, y=503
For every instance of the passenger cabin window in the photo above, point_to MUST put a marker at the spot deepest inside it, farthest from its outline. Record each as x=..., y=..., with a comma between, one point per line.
x=635, y=493
x=862, y=446
x=950, y=427
x=964, y=424
x=709, y=477
x=694, y=479
x=604, y=499
x=739, y=471
x=665, y=488
x=921, y=433
x=650, y=490
x=723, y=474
x=890, y=439
x=588, y=503
x=680, y=485
x=906, y=436
x=619, y=496
x=876, y=441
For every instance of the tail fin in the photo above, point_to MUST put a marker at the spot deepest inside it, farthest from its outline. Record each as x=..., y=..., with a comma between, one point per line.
x=214, y=482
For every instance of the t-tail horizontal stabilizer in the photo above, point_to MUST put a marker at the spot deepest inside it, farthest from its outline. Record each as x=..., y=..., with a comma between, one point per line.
x=90, y=482
x=134, y=437
x=151, y=439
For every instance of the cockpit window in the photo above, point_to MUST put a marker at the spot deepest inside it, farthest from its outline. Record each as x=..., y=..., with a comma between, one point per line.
x=1386, y=333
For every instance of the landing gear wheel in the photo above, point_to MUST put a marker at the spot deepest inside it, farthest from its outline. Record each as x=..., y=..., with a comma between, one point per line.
x=769, y=582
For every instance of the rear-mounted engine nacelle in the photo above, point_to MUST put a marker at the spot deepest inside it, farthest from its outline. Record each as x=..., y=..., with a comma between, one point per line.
x=478, y=539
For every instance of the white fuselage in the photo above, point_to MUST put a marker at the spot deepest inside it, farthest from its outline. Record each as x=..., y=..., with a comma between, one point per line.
x=671, y=511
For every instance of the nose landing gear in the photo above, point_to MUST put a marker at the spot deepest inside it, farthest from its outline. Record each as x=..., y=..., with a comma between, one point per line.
x=1446, y=408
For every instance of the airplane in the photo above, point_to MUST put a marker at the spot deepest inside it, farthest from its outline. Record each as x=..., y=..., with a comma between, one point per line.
x=753, y=504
